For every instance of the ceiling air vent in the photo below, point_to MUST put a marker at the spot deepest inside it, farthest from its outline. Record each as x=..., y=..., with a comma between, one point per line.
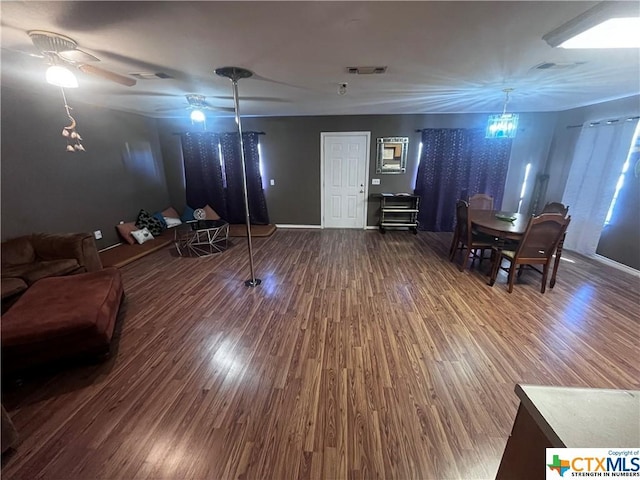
x=366, y=70
x=150, y=76
x=557, y=66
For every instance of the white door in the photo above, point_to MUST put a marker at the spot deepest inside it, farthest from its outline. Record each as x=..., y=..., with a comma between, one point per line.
x=345, y=163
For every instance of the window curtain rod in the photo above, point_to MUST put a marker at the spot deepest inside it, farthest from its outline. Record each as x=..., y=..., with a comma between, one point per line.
x=606, y=122
x=218, y=133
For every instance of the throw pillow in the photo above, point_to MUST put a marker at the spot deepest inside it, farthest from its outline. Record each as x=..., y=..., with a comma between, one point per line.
x=142, y=235
x=211, y=213
x=172, y=222
x=160, y=218
x=187, y=215
x=145, y=219
x=124, y=230
x=170, y=212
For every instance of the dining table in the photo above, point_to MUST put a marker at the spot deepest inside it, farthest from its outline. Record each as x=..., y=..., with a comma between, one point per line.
x=505, y=226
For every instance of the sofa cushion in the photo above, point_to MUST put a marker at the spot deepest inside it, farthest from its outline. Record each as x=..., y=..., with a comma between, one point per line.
x=187, y=214
x=170, y=212
x=125, y=229
x=145, y=219
x=12, y=286
x=50, y=268
x=211, y=214
x=61, y=317
x=18, y=250
x=158, y=216
x=172, y=222
x=142, y=235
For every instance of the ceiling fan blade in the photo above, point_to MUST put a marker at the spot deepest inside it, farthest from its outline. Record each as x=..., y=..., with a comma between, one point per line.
x=107, y=75
x=219, y=109
x=254, y=99
x=23, y=52
x=77, y=56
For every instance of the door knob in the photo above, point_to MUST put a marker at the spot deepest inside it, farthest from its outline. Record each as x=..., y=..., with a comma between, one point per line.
x=361, y=191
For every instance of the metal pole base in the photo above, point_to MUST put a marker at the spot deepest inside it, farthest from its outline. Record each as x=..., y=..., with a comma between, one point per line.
x=253, y=283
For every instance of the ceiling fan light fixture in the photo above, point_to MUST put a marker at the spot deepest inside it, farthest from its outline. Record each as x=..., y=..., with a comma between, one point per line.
x=61, y=77
x=197, y=116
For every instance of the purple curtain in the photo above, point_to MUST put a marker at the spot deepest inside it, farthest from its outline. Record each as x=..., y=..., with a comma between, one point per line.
x=208, y=180
x=455, y=164
x=203, y=172
x=258, y=213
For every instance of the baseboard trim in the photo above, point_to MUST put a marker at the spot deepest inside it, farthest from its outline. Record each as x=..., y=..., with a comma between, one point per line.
x=317, y=227
x=110, y=247
x=614, y=264
x=286, y=225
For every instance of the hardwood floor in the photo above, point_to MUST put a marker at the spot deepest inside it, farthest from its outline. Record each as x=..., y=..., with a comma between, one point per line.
x=361, y=355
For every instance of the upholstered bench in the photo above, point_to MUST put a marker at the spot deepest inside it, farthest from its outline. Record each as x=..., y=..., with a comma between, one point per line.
x=61, y=317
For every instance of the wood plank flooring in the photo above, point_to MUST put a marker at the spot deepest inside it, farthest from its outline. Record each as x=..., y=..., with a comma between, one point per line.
x=361, y=355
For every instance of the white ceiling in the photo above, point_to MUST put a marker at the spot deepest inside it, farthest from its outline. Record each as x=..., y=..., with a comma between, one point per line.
x=442, y=57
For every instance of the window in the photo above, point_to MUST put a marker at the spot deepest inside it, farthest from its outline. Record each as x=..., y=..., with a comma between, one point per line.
x=523, y=190
x=633, y=155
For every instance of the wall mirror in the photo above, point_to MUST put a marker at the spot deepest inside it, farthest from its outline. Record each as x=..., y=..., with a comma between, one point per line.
x=392, y=155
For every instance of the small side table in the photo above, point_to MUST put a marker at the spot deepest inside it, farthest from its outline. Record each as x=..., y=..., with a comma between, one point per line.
x=201, y=237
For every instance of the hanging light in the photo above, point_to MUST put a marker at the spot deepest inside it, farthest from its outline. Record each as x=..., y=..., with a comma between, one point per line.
x=197, y=116
x=61, y=77
x=504, y=125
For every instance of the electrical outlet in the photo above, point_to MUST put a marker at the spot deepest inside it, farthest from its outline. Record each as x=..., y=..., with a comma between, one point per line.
x=375, y=181
x=97, y=234
x=272, y=182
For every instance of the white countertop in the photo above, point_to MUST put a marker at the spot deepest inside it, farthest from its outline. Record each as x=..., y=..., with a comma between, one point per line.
x=584, y=417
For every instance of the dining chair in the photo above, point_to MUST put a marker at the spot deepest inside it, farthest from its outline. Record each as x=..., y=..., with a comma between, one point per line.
x=481, y=201
x=537, y=247
x=465, y=239
x=555, y=207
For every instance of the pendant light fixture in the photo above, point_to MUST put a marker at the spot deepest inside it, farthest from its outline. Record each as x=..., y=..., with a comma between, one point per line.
x=234, y=74
x=504, y=125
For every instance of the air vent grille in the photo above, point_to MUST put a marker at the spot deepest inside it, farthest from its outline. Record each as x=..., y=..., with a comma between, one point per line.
x=557, y=66
x=150, y=75
x=366, y=70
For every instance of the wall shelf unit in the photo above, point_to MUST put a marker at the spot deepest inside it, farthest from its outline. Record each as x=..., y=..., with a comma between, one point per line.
x=399, y=210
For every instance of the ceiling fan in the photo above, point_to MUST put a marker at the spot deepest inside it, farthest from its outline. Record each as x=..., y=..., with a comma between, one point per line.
x=197, y=103
x=60, y=50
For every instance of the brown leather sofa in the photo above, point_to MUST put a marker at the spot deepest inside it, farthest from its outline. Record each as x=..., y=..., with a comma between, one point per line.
x=30, y=258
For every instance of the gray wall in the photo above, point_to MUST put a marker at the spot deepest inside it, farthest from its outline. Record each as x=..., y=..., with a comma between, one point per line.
x=46, y=189
x=620, y=241
x=291, y=155
x=133, y=162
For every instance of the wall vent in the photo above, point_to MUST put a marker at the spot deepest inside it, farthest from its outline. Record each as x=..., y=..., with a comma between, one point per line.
x=366, y=70
x=150, y=76
x=557, y=66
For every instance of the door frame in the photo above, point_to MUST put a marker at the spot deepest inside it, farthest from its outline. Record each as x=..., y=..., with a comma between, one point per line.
x=323, y=135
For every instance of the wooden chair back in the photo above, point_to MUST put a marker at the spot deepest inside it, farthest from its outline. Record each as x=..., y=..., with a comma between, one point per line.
x=541, y=239
x=555, y=207
x=481, y=201
x=463, y=221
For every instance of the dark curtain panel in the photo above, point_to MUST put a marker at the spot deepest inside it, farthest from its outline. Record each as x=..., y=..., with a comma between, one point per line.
x=233, y=170
x=203, y=172
x=457, y=163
